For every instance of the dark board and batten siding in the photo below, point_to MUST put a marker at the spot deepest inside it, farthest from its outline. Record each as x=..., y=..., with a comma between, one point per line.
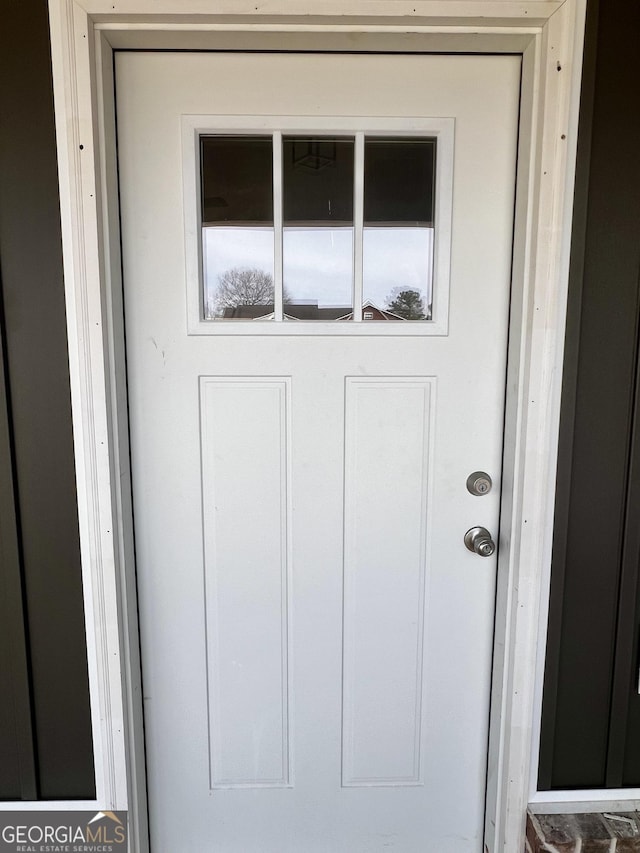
x=591, y=708
x=45, y=730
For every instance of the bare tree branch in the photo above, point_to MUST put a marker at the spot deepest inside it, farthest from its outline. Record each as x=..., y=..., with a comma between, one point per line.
x=243, y=286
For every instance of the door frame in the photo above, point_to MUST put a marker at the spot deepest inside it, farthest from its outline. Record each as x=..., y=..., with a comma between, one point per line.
x=549, y=35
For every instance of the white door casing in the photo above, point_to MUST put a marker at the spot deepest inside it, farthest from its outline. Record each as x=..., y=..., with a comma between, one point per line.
x=84, y=34
x=341, y=639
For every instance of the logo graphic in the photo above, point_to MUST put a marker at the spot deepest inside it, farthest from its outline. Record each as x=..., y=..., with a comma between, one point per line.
x=63, y=832
x=111, y=815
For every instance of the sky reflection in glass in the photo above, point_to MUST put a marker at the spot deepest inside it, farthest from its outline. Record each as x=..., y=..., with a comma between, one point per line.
x=318, y=266
x=397, y=259
x=232, y=248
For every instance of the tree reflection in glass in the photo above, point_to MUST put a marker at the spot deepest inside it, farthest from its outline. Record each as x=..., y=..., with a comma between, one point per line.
x=398, y=239
x=237, y=232
x=317, y=234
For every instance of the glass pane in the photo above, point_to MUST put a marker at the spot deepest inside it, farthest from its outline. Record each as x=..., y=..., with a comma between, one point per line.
x=237, y=227
x=318, y=273
x=397, y=272
x=398, y=238
x=318, y=227
x=237, y=266
x=237, y=180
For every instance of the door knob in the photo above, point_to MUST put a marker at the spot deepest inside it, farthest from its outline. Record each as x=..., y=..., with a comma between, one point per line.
x=478, y=540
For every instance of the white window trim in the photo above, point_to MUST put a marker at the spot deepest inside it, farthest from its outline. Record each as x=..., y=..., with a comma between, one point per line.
x=548, y=34
x=50, y=805
x=581, y=801
x=440, y=129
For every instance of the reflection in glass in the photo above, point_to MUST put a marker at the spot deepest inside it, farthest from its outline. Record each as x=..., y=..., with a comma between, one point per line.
x=237, y=212
x=318, y=273
x=237, y=266
x=237, y=227
x=398, y=239
x=317, y=227
x=397, y=272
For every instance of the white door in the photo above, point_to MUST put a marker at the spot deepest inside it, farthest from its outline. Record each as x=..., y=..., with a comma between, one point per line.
x=316, y=638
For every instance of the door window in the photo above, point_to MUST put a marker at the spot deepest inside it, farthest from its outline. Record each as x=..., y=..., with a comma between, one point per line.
x=294, y=227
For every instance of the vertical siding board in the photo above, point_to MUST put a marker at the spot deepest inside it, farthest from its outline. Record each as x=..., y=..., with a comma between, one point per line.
x=17, y=749
x=623, y=766
x=620, y=31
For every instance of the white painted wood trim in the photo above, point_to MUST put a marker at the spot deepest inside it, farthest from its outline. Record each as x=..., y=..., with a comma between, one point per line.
x=120, y=459
x=170, y=12
x=50, y=806
x=278, y=248
x=541, y=257
x=547, y=32
x=75, y=132
x=593, y=800
x=575, y=70
x=358, y=227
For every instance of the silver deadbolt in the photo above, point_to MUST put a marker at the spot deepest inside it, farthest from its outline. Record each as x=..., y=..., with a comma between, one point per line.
x=479, y=483
x=478, y=540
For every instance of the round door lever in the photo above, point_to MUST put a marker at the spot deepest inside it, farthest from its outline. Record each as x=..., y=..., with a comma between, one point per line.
x=478, y=540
